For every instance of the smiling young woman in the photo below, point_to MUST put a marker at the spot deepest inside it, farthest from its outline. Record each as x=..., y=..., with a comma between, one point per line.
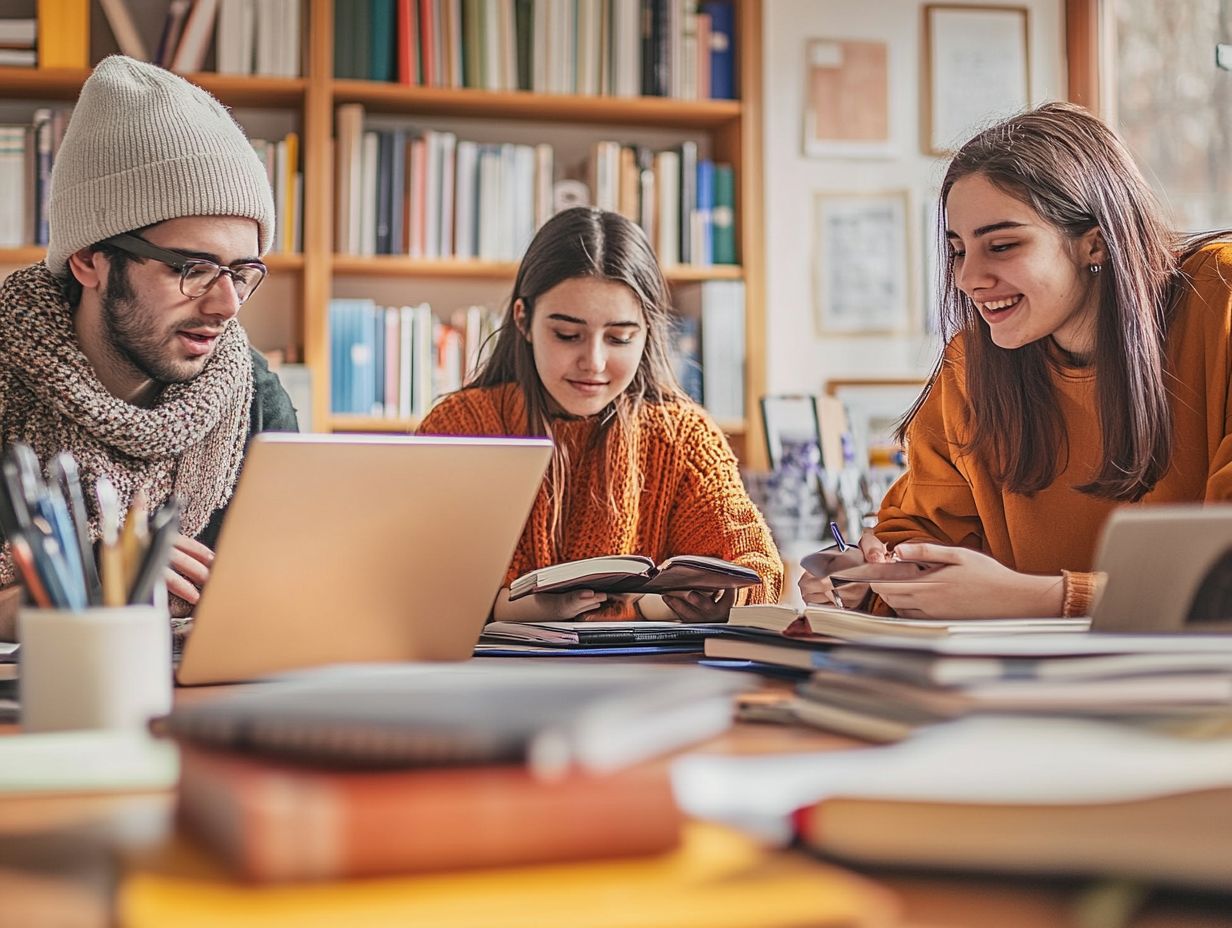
x=1086, y=366
x=638, y=468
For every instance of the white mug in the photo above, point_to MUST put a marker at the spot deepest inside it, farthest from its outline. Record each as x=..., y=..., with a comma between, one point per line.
x=100, y=668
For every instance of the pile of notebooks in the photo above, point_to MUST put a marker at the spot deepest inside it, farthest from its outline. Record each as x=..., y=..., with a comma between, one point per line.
x=395, y=769
x=882, y=690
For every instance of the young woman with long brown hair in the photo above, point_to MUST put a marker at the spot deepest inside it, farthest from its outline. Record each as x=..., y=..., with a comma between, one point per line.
x=638, y=468
x=1086, y=366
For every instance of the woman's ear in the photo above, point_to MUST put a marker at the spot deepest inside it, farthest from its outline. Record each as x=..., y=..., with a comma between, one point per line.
x=520, y=318
x=85, y=265
x=1093, y=250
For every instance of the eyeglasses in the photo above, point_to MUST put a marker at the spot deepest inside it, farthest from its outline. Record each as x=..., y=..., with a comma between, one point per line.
x=197, y=275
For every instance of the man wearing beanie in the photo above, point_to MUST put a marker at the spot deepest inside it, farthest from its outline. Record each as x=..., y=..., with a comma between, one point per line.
x=123, y=347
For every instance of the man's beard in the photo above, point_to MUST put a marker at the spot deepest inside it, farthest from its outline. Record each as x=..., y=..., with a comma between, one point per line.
x=133, y=336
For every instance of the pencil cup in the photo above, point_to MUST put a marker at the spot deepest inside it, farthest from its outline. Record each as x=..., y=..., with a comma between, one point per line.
x=101, y=668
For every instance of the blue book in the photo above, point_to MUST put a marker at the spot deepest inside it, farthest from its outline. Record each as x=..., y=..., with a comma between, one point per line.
x=685, y=348
x=377, y=406
x=705, y=210
x=722, y=49
x=343, y=326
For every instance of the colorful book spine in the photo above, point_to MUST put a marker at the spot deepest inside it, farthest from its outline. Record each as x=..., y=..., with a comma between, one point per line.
x=722, y=215
x=63, y=33
x=722, y=49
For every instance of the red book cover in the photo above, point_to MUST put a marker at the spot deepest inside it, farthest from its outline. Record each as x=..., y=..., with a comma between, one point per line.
x=408, y=42
x=275, y=821
x=427, y=43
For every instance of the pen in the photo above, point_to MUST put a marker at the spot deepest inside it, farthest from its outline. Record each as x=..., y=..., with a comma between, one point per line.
x=134, y=537
x=53, y=569
x=842, y=546
x=110, y=557
x=23, y=557
x=55, y=512
x=164, y=526
x=62, y=470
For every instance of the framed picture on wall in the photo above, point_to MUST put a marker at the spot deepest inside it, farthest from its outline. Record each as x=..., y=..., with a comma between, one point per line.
x=792, y=429
x=977, y=69
x=847, y=98
x=861, y=283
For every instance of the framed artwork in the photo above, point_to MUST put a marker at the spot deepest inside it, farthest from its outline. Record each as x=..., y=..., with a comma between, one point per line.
x=847, y=98
x=874, y=408
x=860, y=263
x=792, y=428
x=977, y=70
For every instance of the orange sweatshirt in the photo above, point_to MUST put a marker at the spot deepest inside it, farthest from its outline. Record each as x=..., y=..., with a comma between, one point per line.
x=953, y=499
x=692, y=501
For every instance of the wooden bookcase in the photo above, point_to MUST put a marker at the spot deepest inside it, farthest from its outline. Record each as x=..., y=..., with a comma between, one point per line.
x=732, y=128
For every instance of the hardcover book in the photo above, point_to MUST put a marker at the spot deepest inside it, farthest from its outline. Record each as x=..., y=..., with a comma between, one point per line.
x=275, y=821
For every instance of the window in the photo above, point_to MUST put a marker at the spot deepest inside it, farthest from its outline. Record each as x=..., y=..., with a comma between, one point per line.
x=1171, y=103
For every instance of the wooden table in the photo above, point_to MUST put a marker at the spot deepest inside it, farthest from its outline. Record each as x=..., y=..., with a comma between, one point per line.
x=86, y=824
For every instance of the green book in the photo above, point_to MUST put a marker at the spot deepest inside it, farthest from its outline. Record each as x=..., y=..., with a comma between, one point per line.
x=722, y=216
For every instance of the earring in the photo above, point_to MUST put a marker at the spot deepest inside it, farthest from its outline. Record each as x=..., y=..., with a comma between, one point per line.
x=1095, y=268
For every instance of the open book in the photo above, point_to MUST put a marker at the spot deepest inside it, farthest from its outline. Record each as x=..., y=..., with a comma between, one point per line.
x=632, y=573
x=853, y=625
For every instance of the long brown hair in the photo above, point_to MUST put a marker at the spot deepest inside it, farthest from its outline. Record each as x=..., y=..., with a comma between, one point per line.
x=1077, y=175
x=586, y=242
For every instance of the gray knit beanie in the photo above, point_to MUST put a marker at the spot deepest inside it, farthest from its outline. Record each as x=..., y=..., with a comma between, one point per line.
x=144, y=146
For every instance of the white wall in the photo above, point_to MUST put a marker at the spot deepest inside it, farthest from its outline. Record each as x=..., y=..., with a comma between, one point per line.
x=798, y=360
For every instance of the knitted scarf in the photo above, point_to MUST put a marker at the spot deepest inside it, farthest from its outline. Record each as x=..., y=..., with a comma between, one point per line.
x=189, y=444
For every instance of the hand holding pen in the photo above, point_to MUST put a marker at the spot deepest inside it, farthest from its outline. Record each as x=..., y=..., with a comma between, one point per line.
x=815, y=583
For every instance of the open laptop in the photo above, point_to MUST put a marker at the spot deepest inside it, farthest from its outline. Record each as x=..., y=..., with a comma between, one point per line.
x=1164, y=569
x=360, y=548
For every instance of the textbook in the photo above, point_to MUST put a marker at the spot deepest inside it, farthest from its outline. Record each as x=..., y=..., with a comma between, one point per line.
x=632, y=573
x=851, y=624
x=717, y=878
x=273, y=821
x=596, y=718
x=1167, y=838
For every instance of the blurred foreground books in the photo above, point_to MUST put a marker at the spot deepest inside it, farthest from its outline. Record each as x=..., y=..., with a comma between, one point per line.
x=351, y=772
x=993, y=793
x=716, y=879
x=276, y=821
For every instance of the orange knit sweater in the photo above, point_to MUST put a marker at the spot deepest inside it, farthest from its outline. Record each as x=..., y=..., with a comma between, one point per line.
x=691, y=501
x=953, y=499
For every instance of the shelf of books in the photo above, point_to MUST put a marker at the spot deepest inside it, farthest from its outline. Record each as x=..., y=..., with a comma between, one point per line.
x=393, y=126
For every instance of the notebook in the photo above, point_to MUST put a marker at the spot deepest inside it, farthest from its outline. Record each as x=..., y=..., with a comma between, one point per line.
x=1158, y=560
x=360, y=548
x=583, y=717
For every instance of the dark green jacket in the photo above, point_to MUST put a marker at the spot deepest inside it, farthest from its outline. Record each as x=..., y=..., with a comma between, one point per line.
x=271, y=411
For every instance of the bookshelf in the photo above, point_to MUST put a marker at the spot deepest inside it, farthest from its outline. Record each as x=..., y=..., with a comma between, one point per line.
x=731, y=128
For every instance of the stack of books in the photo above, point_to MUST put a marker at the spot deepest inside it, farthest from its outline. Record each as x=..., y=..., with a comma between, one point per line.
x=884, y=690
x=1012, y=794
x=398, y=769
